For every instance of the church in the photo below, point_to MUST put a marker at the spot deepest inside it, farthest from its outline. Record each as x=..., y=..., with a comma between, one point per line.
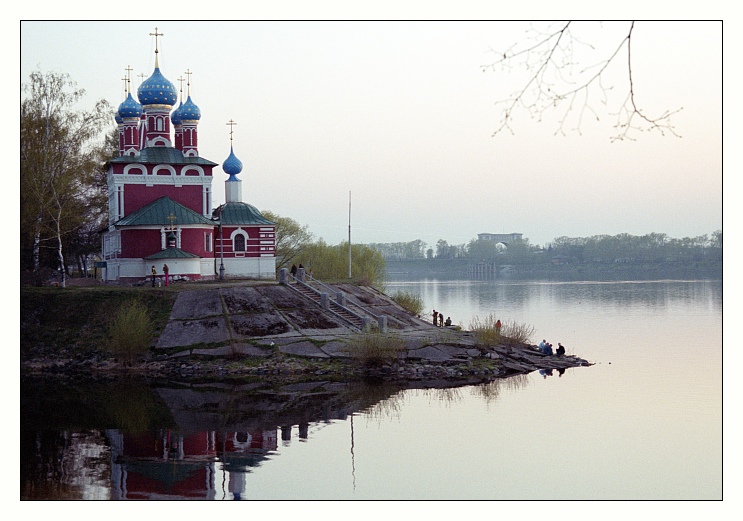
x=160, y=198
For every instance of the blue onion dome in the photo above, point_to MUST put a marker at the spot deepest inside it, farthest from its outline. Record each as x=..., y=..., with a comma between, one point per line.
x=190, y=111
x=129, y=108
x=157, y=90
x=175, y=116
x=232, y=166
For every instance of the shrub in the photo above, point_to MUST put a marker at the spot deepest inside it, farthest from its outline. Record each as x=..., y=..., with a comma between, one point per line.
x=409, y=301
x=130, y=333
x=510, y=332
x=330, y=263
x=484, y=330
x=517, y=333
x=375, y=349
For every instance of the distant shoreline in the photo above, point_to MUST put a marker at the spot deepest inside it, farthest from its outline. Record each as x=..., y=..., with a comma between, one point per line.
x=463, y=269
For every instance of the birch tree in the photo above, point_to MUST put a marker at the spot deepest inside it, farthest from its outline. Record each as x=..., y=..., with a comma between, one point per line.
x=60, y=151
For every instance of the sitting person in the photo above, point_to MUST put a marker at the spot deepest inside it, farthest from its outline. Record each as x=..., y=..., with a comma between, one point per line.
x=560, y=349
x=448, y=322
x=545, y=347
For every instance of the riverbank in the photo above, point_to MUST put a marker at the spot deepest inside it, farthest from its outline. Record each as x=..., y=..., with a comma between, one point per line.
x=255, y=330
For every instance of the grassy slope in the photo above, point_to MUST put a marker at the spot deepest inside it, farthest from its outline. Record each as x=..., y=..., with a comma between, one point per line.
x=73, y=321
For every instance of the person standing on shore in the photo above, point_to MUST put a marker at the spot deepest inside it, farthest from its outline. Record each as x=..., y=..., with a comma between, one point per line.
x=154, y=275
x=165, y=270
x=497, y=327
x=435, y=317
x=441, y=320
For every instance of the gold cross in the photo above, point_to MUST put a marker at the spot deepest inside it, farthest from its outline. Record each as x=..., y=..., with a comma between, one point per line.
x=128, y=76
x=188, y=83
x=141, y=77
x=231, y=124
x=156, y=34
x=181, y=80
x=172, y=219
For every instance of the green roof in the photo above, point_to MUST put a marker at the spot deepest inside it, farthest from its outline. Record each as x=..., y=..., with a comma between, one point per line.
x=172, y=253
x=162, y=155
x=158, y=211
x=240, y=213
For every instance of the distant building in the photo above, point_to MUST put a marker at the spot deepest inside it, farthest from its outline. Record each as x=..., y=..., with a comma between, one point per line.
x=505, y=238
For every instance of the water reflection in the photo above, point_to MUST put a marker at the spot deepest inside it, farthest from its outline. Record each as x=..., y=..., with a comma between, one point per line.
x=179, y=465
x=147, y=440
x=491, y=391
x=513, y=298
x=64, y=464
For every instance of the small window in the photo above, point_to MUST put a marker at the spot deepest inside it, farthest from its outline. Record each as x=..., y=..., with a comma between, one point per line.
x=208, y=242
x=239, y=243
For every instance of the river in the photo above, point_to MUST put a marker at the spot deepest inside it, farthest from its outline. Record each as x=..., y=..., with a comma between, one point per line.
x=643, y=423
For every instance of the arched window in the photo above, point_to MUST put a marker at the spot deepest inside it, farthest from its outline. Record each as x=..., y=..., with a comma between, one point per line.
x=239, y=242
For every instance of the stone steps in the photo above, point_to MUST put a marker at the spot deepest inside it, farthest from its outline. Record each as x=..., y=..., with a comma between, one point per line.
x=338, y=310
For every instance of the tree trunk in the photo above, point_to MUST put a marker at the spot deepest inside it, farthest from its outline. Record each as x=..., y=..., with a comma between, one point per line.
x=62, y=284
x=37, y=243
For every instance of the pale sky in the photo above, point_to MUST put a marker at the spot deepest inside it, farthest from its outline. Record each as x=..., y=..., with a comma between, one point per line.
x=402, y=115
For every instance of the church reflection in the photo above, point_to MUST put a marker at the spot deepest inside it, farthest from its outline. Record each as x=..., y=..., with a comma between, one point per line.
x=173, y=465
x=178, y=440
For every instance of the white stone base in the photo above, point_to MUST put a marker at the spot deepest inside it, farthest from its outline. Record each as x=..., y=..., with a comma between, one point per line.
x=249, y=267
x=196, y=268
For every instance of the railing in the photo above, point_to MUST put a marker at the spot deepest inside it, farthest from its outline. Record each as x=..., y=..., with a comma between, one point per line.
x=382, y=320
x=285, y=278
x=330, y=303
x=348, y=300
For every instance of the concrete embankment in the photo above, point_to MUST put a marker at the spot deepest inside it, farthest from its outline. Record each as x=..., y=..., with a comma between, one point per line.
x=261, y=329
x=271, y=320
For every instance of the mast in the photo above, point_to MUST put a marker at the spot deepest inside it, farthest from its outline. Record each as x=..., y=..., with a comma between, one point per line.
x=349, y=234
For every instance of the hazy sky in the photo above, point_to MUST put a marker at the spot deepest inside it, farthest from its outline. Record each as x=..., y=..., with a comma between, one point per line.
x=402, y=115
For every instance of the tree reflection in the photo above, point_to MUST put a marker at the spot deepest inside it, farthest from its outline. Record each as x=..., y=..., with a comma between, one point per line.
x=445, y=395
x=135, y=408
x=490, y=391
x=386, y=400
x=63, y=465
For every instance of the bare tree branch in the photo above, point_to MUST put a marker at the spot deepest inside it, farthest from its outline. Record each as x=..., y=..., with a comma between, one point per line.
x=557, y=83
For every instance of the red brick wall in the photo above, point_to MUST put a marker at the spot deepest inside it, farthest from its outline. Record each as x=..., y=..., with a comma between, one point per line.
x=139, y=243
x=138, y=196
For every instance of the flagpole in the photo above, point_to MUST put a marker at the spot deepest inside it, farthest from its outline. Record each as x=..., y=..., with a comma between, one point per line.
x=349, y=234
